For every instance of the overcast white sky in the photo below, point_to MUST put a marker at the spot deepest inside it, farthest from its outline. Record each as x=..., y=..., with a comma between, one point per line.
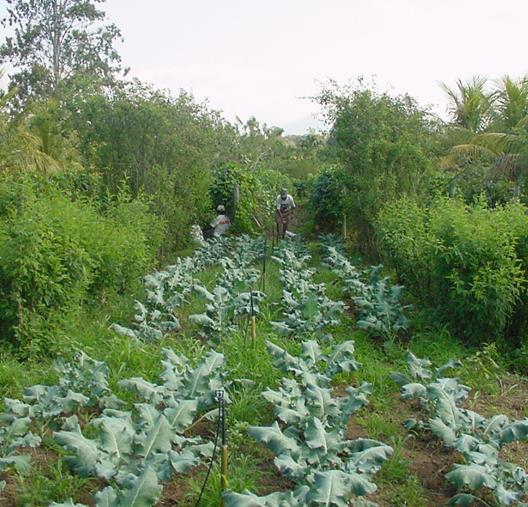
x=260, y=58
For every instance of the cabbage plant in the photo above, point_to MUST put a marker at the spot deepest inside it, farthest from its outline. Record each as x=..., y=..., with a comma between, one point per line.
x=308, y=435
x=478, y=439
x=306, y=307
x=376, y=299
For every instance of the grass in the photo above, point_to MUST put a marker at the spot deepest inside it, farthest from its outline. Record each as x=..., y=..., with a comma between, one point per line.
x=250, y=465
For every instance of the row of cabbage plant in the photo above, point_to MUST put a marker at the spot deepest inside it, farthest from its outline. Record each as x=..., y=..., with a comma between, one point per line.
x=377, y=301
x=233, y=298
x=308, y=436
x=479, y=440
x=305, y=306
x=169, y=289
x=131, y=450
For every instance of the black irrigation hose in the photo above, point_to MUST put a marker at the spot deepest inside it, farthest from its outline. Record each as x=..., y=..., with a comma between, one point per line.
x=212, y=461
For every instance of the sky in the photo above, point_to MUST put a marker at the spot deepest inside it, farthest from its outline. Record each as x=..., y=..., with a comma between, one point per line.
x=265, y=58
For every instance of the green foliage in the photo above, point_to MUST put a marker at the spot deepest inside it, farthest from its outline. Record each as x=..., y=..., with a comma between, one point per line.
x=306, y=307
x=56, y=253
x=468, y=260
x=55, y=41
x=377, y=300
x=311, y=448
x=327, y=197
x=252, y=207
x=163, y=146
x=135, y=449
x=479, y=440
x=384, y=145
x=169, y=289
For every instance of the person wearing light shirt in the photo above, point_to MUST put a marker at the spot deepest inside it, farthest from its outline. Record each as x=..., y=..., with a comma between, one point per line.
x=222, y=222
x=284, y=207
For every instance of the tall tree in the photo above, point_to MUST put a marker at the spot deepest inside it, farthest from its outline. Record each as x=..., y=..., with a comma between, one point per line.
x=53, y=41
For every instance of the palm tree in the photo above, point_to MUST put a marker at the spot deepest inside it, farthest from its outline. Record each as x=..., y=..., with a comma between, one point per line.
x=508, y=152
x=505, y=150
x=471, y=104
x=21, y=149
x=511, y=102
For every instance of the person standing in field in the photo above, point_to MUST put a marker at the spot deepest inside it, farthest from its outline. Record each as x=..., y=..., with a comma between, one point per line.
x=284, y=208
x=222, y=222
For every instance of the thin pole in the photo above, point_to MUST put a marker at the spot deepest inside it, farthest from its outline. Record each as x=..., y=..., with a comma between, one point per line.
x=253, y=321
x=264, y=264
x=224, y=454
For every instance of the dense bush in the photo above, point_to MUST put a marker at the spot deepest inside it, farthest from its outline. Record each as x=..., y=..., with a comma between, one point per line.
x=384, y=145
x=469, y=261
x=327, y=198
x=257, y=191
x=55, y=253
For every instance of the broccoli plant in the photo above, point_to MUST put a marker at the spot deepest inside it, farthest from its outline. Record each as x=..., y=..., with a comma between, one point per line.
x=81, y=384
x=308, y=435
x=479, y=440
x=306, y=307
x=377, y=300
x=167, y=290
x=139, y=449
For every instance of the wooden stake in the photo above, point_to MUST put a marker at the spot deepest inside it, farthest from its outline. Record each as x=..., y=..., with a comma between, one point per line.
x=254, y=329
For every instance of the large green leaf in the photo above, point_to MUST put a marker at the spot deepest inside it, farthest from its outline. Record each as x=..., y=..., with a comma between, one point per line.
x=318, y=438
x=143, y=491
x=419, y=368
x=413, y=391
x=446, y=408
x=86, y=451
x=367, y=456
x=442, y=431
x=295, y=498
x=107, y=497
x=181, y=415
x=157, y=439
x=357, y=399
x=311, y=351
x=334, y=487
x=341, y=359
x=296, y=469
x=517, y=430
x=148, y=391
x=320, y=403
x=116, y=435
x=20, y=462
x=274, y=439
x=471, y=476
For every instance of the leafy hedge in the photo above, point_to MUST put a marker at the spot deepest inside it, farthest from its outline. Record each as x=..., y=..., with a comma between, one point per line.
x=468, y=261
x=257, y=191
x=55, y=253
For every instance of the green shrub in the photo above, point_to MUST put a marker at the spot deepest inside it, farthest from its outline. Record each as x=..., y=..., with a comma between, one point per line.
x=55, y=253
x=385, y=146
x=468, y=261
x=326, y=194
x=257, y=191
